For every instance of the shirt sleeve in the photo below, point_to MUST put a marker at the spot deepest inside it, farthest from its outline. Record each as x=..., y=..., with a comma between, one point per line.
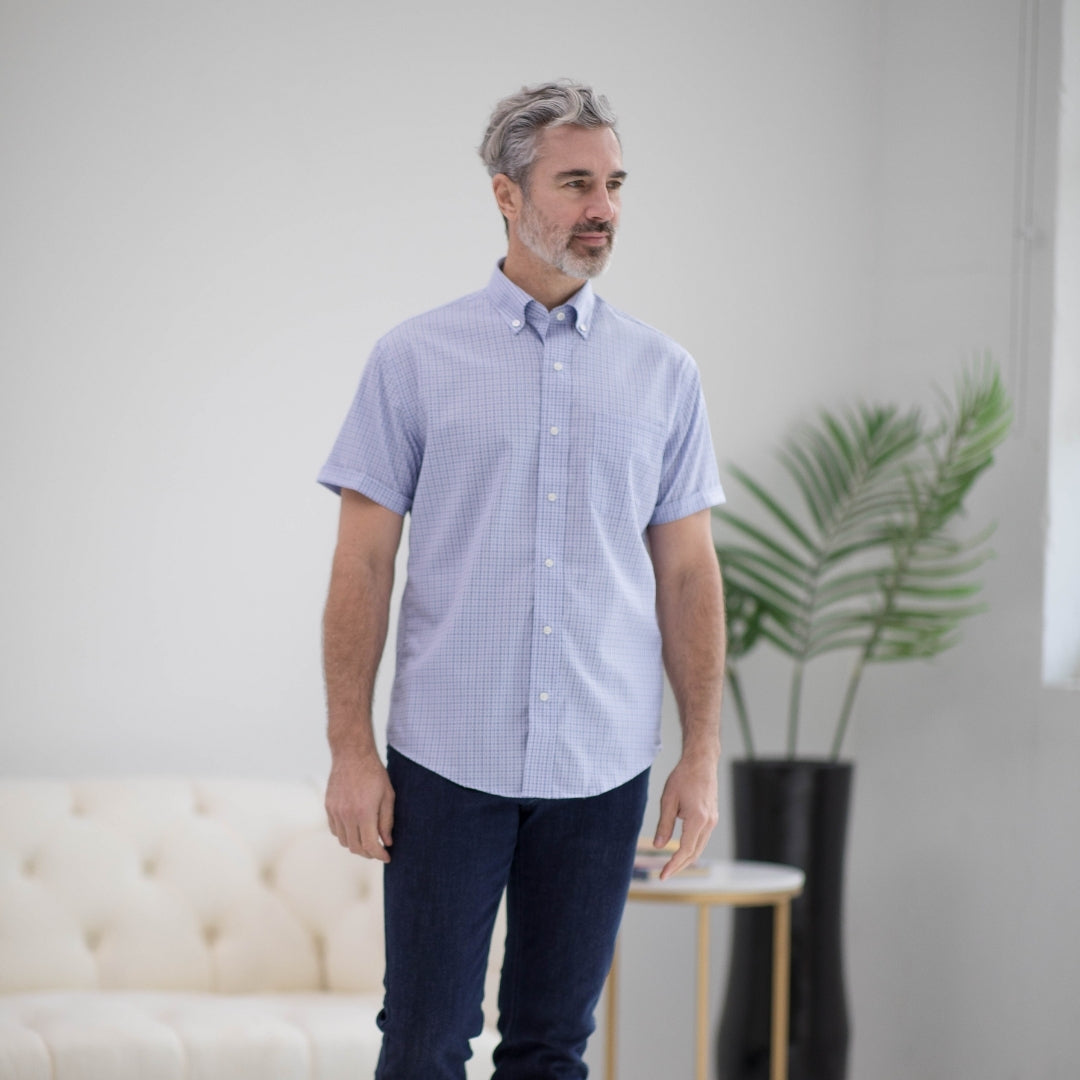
x=689, y=479
x=379, y=448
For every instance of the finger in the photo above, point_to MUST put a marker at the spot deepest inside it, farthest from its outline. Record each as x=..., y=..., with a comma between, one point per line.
x=370, y=844
x=354, y=837
x=665, y=829
x=386, y=821
x=339, y=826
x=376, y=851
x=684, y=856
x=691, y=845
x=709, y=820
x=337, y=829
x=694, y=835
x=677, y=861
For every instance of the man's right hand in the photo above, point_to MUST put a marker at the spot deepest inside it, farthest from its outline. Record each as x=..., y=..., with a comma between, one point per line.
x=360, y=804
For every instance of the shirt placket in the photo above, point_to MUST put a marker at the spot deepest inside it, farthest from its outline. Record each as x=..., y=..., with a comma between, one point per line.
x=546, y=705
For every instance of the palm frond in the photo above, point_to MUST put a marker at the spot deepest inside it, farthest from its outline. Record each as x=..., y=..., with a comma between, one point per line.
x=868, y=564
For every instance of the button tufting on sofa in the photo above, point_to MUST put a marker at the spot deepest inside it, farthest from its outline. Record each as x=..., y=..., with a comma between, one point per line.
x=164, y=927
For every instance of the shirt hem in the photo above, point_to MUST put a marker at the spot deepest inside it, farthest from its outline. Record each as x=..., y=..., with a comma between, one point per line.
x=586, y=791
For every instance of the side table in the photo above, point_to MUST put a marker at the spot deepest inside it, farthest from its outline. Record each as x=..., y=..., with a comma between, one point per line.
x=732, y=884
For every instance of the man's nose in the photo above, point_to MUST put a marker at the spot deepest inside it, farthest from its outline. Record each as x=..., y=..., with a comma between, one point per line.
x=601, y=207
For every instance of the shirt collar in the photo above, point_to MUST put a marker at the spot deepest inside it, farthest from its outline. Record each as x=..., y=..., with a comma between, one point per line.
x=511, y=302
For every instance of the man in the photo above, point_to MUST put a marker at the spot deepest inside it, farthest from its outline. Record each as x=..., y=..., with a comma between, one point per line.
x=556, y=460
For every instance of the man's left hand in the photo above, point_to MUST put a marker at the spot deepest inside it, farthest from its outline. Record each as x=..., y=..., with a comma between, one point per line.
x=690, y=796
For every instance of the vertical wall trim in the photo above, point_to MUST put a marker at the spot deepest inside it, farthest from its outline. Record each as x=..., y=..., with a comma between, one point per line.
x=1026, y=233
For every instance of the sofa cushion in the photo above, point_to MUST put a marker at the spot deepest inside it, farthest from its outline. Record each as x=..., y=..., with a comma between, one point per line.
x=159, y=883
x=151, y=1035
x=157, y=927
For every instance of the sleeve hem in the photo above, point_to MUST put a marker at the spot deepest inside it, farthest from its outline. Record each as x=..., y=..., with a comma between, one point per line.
x=689, y=504
x=336, y=479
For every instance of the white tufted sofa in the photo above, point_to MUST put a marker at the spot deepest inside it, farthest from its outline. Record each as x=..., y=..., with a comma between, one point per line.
x=173, y=929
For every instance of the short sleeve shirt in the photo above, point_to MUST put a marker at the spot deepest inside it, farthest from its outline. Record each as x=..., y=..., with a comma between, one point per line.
x=533, y=449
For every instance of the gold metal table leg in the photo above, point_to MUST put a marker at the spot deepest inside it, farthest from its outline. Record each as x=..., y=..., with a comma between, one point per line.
x=780, y=988
x=702, y=992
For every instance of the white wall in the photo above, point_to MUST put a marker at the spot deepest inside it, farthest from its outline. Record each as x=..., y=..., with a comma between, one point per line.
x=964, y=947
x=1061, y=633
x=214, y=210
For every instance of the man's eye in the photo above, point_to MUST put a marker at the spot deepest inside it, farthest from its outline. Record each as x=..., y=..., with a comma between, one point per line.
x=614, y=185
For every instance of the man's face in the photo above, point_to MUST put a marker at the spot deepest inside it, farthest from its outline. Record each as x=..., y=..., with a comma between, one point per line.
x=571, y=206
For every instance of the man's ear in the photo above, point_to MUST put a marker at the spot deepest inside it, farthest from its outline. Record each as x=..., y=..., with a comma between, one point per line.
x=508, y=196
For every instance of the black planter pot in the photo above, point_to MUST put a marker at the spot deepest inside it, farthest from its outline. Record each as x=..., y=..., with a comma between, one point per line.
x=793, y=812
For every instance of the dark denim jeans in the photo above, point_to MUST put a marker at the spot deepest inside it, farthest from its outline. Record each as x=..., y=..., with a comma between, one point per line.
x=565, y=865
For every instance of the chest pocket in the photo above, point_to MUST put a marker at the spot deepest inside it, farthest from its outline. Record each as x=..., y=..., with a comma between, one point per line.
x=625, y=461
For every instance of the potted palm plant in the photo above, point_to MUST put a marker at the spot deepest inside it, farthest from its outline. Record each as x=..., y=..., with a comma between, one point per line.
x=861, y=560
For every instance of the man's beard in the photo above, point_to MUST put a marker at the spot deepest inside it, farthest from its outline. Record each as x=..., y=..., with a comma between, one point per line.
x=550, y=243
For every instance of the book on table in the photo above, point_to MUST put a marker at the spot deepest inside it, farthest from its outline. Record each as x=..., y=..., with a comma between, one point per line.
x=650, y=860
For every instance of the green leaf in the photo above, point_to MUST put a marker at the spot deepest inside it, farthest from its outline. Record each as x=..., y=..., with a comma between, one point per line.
x=761, y=537
x=863, y=556
x=731, y=556
x=774, y=507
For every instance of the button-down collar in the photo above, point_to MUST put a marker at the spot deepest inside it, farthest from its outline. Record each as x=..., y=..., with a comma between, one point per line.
x=513, y=302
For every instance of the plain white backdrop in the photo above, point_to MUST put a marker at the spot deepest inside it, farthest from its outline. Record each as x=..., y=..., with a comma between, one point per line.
x=211, y=210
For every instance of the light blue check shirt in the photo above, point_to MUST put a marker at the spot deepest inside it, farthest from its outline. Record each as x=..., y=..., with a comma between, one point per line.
x=532, y=448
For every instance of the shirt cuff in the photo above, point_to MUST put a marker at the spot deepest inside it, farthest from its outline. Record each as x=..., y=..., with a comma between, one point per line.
x=687, y=505
x=336, y=479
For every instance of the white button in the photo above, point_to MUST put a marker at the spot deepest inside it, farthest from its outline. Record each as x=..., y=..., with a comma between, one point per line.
x=547, y=629
x=549, y=562
x=561, y=315
x=582, y=327
x=544, y=696
x=557, y=366
x=516, y=322
x=552, y=496
x=554, y=430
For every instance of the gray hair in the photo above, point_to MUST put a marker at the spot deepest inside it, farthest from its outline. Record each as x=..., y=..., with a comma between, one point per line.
x=509, y=144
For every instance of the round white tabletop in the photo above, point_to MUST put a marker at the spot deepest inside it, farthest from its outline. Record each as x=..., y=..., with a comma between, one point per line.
x=726, y=882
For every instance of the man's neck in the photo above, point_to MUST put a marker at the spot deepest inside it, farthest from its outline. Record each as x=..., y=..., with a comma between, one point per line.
x=539, y=279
